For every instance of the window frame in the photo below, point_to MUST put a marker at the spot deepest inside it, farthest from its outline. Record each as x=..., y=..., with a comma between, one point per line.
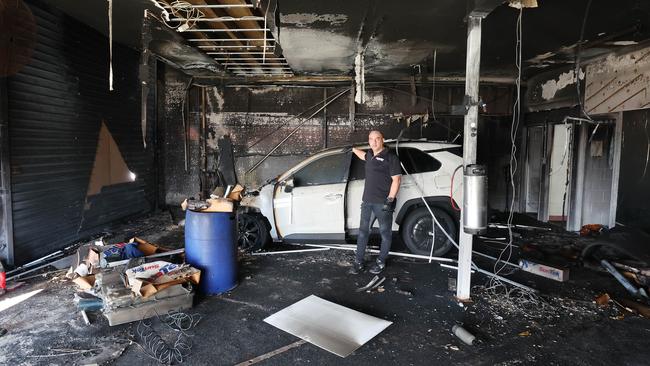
x=345, y=163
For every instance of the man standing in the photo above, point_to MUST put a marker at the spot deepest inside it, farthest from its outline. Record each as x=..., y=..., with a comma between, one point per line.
x=383, y=175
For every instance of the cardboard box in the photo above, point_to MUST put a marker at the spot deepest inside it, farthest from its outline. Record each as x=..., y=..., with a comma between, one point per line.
x=236, y=193
x=151, y=278
x=557, y=274
x=219, y=205
x=86, y=282
x=147, y=248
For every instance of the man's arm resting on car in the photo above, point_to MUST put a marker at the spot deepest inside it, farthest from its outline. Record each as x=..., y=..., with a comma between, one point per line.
x=359, y=153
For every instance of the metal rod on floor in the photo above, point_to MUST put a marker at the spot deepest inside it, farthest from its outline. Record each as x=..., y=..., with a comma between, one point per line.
x=229, y=40
x=495, y=259
x=292, y=251
x=398, y=254
x=225, y=30
x=220, y=19
x=224, y=47
x=219, y=6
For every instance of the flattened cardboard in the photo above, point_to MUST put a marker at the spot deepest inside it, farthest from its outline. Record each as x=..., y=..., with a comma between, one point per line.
x=330, y=326
x=86, y=282
x=236, y=193
x=219, y=205
x=147, y=248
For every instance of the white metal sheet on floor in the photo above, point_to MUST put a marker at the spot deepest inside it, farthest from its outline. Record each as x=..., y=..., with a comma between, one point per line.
x=327, y=325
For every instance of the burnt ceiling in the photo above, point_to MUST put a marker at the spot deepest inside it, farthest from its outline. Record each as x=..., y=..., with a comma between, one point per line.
x=398, y=38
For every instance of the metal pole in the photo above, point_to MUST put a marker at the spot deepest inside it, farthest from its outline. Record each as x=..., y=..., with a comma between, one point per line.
x=472, y=73
x=324, y=132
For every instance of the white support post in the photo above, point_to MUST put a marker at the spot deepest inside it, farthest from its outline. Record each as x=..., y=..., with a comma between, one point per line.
x=472, y=73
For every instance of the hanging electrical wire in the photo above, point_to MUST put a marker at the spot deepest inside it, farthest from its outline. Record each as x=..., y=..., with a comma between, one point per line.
x=577, y=61
x=110, y=45
x=647, y=155
x=433, y=86
x=495, y=283
x=180, y=10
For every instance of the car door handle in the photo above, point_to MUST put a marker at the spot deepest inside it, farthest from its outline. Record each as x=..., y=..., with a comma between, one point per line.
x=333, y=196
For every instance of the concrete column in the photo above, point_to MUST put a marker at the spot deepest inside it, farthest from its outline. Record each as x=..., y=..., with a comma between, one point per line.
x=472, y=73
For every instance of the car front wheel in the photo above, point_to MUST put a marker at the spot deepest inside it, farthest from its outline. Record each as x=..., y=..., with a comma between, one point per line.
x=252, y=233
x=417, y=228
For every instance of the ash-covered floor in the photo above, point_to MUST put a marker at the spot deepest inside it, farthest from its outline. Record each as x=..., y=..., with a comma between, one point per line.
x=560, y=326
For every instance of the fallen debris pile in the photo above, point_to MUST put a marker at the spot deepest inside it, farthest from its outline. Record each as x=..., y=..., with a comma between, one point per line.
x=127, y=282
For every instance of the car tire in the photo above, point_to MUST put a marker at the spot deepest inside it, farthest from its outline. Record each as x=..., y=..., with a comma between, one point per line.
x=252, y=232
x=417, y=225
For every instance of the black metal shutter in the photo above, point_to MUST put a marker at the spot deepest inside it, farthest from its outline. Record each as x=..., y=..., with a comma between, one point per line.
x=56, y=106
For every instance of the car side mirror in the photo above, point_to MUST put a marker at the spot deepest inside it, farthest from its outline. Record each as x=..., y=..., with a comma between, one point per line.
x=288, y=185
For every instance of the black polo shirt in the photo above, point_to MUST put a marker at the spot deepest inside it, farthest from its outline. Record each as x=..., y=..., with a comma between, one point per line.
x=380, y=169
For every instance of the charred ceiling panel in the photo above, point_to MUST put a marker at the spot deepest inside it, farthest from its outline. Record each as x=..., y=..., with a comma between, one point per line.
x=171, y=48
x=127, y=16
x=552, y=30
x=324, y=37
x=57, y=104
x=553, y=89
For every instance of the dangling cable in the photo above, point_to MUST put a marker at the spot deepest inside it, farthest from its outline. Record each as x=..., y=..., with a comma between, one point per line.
x=577, y=60
x=110, y=45
x=433, y=86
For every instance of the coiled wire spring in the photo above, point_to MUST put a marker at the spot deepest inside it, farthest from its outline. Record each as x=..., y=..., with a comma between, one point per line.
x=175, y=349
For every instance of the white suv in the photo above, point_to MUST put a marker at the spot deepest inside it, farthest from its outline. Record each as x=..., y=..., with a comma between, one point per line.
x=319, y=200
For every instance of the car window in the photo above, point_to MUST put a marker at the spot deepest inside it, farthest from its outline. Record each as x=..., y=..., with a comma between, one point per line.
x=330, y=169
x=416, y=161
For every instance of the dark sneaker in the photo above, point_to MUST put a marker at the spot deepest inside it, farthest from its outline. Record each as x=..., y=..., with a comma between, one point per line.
x=377, y=267
x=356, y=268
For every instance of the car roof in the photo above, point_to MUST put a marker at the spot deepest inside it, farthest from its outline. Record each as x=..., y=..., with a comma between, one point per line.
x=422, y=144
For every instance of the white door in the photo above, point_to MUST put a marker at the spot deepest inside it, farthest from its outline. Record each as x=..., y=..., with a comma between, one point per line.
x=313, y=206
x=558, y=196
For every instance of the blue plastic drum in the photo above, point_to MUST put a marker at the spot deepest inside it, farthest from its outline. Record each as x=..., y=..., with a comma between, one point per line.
x=211, y=246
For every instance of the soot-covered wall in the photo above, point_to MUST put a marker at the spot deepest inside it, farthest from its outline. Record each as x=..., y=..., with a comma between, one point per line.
x=257, y=119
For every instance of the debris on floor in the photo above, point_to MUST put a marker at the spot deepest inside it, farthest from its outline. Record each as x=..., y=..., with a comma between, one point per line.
x=127, y=282
x=529, y=321
x=462, y=334
x=557, y=274
x=593, y=230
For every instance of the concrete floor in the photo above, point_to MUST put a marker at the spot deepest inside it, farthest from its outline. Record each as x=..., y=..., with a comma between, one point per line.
x=561, y=327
